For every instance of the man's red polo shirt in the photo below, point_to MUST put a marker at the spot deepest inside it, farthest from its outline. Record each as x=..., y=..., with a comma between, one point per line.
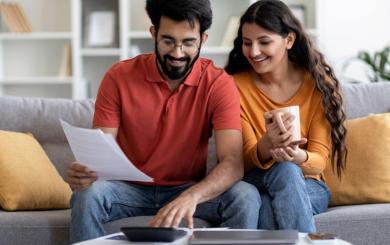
x=164, y=133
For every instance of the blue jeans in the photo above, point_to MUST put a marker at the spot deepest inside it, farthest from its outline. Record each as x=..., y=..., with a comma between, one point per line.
x=106, y=201
x=288, y=200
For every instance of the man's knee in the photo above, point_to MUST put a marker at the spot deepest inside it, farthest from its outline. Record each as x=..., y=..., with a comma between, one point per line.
x=244, y=194
x=91, y=196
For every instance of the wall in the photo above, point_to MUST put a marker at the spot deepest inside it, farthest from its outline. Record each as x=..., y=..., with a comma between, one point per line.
x=348, y=26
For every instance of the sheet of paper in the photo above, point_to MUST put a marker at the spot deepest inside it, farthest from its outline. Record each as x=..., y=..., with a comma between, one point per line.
x=100, y=153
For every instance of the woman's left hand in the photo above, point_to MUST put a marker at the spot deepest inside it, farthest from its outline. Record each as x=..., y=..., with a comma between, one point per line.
x=289, y=153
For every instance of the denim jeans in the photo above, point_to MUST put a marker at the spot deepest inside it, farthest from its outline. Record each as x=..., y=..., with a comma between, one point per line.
x=288, y=200
x=106, y=201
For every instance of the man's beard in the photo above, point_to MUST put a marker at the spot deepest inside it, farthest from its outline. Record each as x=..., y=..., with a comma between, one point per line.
x=174, y=72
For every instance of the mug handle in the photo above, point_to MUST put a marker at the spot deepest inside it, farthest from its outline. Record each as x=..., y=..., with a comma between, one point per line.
x=279, y=121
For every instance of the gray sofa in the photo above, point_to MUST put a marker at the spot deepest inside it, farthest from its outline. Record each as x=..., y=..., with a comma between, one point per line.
x=359, y=224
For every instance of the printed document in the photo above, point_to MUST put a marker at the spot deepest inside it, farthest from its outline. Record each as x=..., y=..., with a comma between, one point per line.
x=101, y=153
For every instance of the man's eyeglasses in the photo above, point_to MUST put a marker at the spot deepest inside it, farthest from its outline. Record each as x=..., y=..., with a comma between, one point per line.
x=166, y=45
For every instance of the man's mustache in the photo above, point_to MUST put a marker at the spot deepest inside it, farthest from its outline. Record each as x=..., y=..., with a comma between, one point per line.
x=168, y=57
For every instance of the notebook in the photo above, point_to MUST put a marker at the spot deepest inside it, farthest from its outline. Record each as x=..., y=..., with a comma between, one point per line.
x=245, y=237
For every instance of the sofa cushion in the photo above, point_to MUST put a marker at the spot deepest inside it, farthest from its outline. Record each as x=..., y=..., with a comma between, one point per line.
x=358, y=224
x=367, y=176
x=28, y=180
x=35, y=227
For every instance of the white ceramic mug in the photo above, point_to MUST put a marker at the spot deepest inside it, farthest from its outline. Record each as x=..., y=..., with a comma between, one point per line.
x=296, y=123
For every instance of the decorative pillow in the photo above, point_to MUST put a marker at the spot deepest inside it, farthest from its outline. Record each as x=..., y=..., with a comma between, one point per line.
x=367, y=176
x=28, y=180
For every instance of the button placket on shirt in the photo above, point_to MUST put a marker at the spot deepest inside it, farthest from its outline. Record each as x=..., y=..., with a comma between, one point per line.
x=171, y=98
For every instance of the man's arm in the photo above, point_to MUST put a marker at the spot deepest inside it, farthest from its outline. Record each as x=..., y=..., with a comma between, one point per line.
x=79, y=176
x=113, y=131
x=229, y=170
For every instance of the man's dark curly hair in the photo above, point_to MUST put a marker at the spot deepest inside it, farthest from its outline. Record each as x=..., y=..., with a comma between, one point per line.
x=180, y=10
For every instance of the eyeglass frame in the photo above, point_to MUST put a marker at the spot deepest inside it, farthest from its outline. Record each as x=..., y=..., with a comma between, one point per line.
x=175, y=45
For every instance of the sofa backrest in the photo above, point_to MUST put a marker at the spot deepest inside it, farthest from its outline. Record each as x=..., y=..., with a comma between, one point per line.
x=363, y=99
x=41, y=117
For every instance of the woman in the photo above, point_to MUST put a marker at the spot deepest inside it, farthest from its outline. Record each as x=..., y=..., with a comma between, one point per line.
x=275, y=65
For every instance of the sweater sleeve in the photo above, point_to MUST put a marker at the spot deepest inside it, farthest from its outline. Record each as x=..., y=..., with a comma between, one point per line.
x=251, y=154
x=319, y=144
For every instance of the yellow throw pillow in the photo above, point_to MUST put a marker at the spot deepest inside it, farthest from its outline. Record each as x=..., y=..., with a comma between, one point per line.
x=28, y=180
x=367, y=176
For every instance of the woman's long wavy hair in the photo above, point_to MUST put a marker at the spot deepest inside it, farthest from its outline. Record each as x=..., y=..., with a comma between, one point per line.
x=276, y=17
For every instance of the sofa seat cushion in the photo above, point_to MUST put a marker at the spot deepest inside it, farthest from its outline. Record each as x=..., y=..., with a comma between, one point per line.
x=35, y=227
x=358, y=224
x=28, y=219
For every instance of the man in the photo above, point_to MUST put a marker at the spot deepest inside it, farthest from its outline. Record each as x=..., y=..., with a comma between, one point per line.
x=161, y=108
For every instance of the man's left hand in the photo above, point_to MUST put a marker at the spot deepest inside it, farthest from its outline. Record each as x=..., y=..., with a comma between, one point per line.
x=183, y=206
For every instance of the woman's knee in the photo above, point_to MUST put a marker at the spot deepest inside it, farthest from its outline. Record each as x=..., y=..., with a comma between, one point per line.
x=287, y=169
x=285, y=174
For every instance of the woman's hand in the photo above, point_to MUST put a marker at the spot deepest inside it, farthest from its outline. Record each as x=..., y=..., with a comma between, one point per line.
x=274, y=135
x=290, y=153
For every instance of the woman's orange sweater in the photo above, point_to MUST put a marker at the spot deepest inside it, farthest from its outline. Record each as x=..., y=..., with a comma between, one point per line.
x=314, y=125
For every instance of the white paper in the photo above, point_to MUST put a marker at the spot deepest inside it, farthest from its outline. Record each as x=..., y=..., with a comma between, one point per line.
x=100, y=153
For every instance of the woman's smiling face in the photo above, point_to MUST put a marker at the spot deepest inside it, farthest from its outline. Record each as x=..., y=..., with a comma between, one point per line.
x=264, y=50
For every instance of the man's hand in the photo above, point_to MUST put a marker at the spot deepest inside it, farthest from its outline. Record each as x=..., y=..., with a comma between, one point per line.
x=183, y=206
x=80, y=177
x=228, y=171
